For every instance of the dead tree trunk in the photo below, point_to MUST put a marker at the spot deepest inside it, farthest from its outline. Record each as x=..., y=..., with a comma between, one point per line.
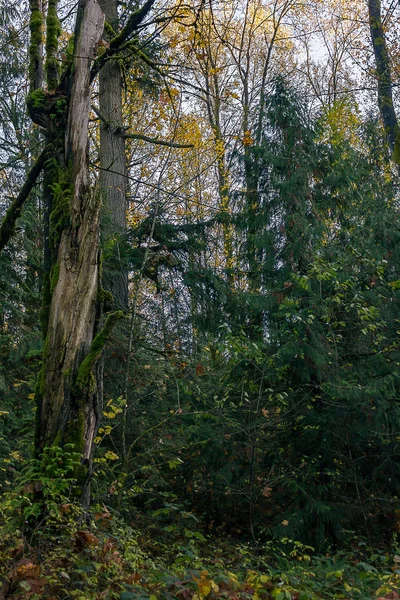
x=67, y=410
x=66, y=391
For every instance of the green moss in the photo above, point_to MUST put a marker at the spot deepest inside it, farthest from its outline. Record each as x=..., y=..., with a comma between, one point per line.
x=36, y=30
x=53, y=32
x=36, y=100
x=75, y=433
x=85, y=373
x=36, y=23
x=70, y=47
x=55, y=273
x=108, y=28
x=62, y=190
x=105, y=297
x=44, y=310
x=36, y=103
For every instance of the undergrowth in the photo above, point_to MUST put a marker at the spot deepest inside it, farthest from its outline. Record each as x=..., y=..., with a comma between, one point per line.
x=50, y=548
x=63, y=557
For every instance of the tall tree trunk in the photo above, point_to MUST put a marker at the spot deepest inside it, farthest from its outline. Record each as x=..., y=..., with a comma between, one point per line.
x=385, y=87
x=113, y=175
x=66, y=391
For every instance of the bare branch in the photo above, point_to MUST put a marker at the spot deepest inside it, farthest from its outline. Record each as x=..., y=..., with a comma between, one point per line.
x=140, y=136
x=145, y=138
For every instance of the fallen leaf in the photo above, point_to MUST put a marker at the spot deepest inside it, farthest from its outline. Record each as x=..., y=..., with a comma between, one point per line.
x=25, y=569
x=84, y=539
x=267, y=492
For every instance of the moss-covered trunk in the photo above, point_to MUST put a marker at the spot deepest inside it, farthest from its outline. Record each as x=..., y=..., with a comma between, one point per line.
x=66, y=392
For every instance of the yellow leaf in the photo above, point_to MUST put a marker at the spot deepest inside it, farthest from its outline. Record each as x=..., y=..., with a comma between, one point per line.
x=109, y=415
x=214, y=586
x=204, y=588
x=110, y=455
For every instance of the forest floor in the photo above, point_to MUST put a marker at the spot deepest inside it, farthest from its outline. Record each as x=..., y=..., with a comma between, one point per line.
x=62, y=560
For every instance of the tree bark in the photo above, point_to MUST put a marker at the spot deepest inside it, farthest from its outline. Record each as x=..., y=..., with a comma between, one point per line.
x=385, y=94
x=66, y=391
x=113, y=174
x=67, y=399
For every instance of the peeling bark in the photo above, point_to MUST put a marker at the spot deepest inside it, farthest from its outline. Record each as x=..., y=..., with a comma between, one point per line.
x=67, y=398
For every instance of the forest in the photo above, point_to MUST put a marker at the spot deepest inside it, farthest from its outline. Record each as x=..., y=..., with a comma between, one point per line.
x=199, y=299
